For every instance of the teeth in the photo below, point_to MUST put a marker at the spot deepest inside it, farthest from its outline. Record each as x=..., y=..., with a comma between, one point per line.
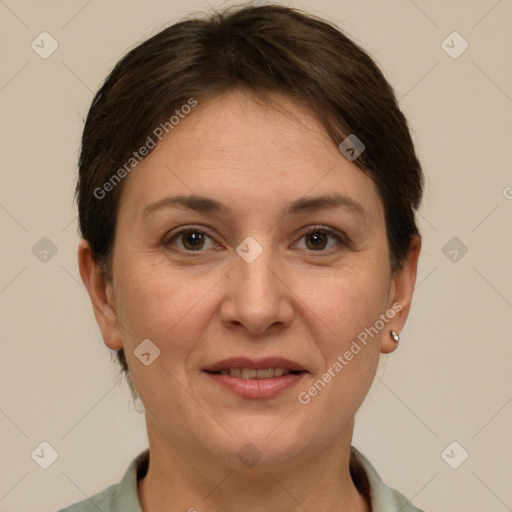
x=251, y=373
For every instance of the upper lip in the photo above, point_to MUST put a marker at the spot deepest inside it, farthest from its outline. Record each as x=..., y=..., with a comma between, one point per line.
x=257, y=364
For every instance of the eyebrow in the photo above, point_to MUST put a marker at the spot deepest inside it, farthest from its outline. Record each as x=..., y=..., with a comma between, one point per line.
x=303, y=205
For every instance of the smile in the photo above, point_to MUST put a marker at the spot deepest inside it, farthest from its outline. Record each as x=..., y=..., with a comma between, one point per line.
x=252, y=373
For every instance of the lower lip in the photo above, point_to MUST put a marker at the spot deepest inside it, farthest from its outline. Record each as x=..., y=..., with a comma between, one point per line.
x=257, y=388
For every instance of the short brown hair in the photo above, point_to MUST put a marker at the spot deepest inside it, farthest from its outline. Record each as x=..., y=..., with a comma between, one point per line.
x=264, y=49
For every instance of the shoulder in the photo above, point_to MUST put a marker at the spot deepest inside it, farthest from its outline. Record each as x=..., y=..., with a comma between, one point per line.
x=102, y=501
x=121, y=497
x=384, y=498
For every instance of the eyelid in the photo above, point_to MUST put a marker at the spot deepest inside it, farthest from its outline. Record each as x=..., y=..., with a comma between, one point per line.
x=322, y=227
x=168, y=239
x=340, y=237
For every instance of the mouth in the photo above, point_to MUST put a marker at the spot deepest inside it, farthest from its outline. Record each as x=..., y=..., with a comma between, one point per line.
x=250, y=378
x=252, y=373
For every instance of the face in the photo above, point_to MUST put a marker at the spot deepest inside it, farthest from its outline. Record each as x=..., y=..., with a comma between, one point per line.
x=246, y=241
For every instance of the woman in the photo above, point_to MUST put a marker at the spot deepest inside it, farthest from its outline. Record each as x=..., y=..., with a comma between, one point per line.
x=246, y=199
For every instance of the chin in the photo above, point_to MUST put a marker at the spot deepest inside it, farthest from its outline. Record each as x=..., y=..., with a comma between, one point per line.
x=259, y=447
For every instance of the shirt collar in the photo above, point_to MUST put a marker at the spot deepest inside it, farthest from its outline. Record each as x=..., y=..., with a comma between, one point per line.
x=384, y=499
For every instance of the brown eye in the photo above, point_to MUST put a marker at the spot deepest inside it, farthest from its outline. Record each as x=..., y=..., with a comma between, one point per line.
x=191, y=240
x=322, y=239
x=316, y=240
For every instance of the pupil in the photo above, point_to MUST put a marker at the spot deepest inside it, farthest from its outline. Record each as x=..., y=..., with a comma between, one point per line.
x=318, y=240
x=194, y=240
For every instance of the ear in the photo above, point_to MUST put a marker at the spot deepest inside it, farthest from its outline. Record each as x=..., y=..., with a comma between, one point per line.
x=402, y=287
x=100, y=293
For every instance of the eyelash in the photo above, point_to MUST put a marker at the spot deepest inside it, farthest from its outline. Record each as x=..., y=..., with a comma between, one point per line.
x=341, y=239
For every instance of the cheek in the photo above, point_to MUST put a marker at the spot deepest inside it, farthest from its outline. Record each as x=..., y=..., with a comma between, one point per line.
x=342, y=313
x=341, y=321
x=152, y=300
x=166, y=308
x=344, y=305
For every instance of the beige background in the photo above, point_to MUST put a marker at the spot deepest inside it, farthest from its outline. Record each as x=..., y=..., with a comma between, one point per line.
x=449, y=381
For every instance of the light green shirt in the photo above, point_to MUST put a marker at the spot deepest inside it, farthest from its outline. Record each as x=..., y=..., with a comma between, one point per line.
x=122, y=497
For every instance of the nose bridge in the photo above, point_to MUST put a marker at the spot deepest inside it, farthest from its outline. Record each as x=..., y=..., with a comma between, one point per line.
x=257, y=297
x=255, y=268
x=258, y=275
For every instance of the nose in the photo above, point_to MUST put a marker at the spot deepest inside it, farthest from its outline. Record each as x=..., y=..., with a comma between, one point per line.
x=257, y=296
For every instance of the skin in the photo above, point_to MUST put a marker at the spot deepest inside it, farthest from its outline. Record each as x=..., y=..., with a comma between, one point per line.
x=294, y=301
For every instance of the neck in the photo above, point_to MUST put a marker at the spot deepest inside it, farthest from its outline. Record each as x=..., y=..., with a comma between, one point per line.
x=198, y=483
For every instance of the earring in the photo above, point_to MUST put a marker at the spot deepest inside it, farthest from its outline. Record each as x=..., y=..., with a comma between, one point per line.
x=138, y=405
x=395, y=336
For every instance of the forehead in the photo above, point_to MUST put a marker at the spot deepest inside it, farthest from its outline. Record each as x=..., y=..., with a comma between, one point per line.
x=243, y=151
